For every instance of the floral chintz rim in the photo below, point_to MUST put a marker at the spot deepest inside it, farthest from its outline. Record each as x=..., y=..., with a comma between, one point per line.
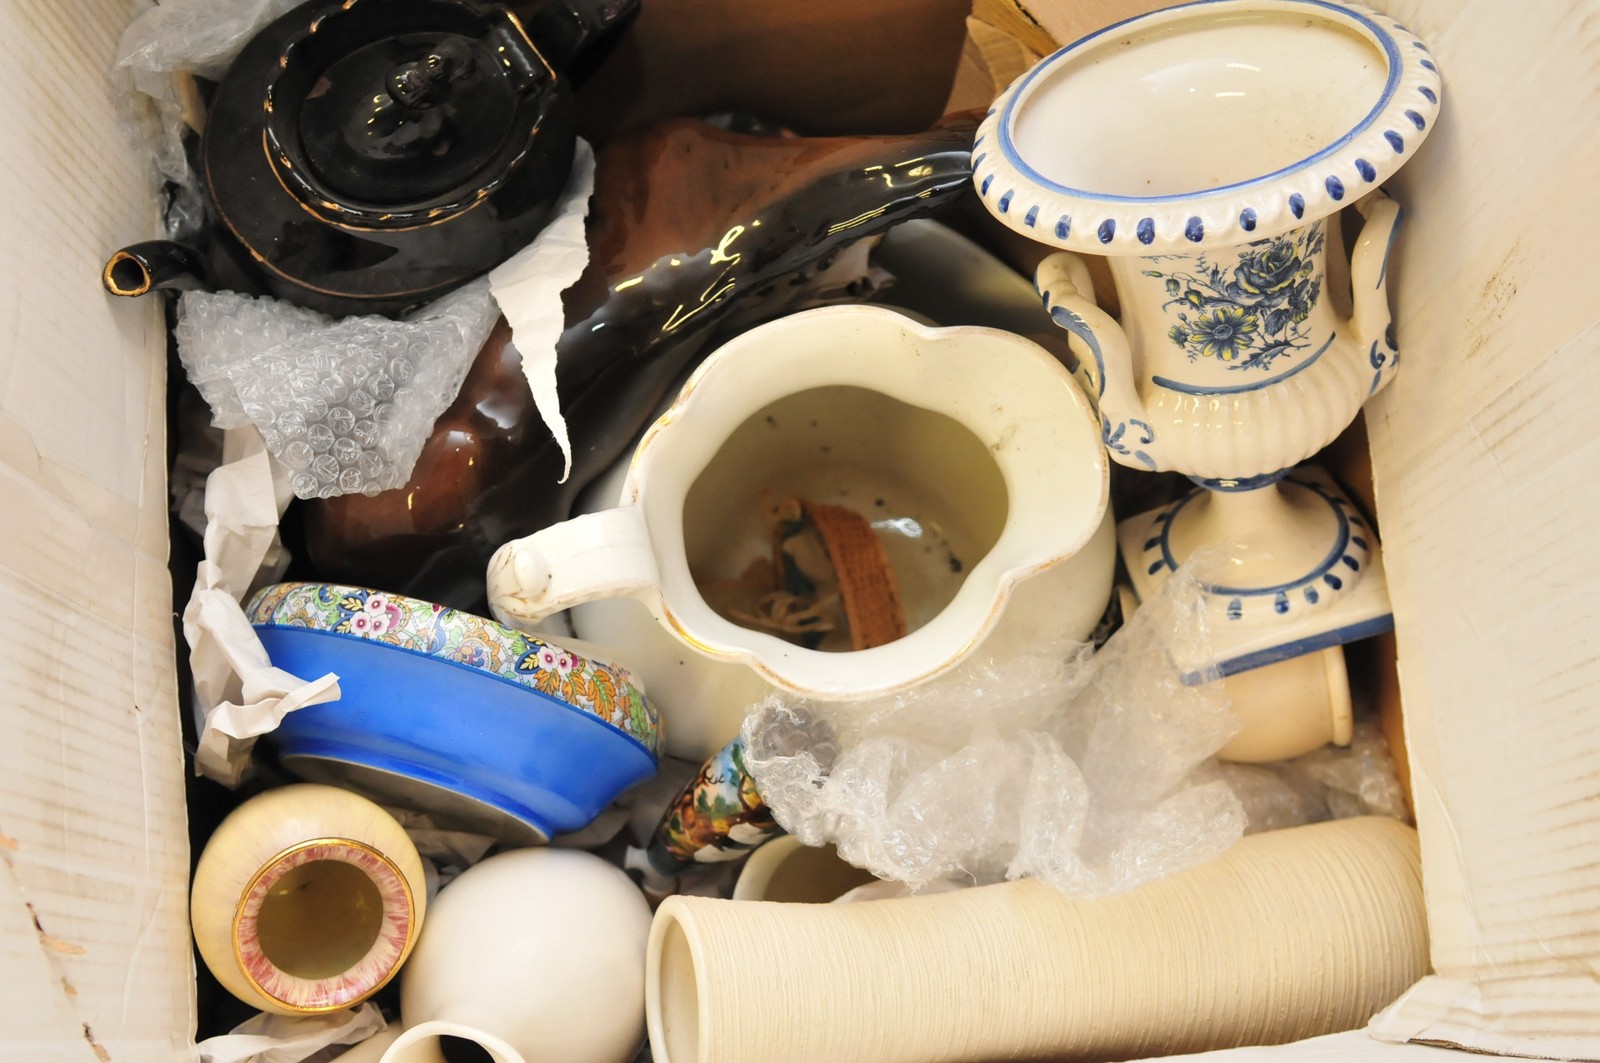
x=602, y=690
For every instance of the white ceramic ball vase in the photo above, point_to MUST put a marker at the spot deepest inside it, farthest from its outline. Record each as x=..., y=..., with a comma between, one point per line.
x=537, y=956
x=307, y=900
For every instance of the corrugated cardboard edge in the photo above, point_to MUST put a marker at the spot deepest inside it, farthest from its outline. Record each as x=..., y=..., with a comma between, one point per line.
x=94, y=949
x=1485, y=459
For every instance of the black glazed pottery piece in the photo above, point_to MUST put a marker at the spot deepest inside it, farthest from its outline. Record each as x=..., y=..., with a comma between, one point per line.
x=691, y=229
x=367, y=156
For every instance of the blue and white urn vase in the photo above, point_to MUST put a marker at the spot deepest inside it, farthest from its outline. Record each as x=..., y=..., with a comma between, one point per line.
x=1205, y=151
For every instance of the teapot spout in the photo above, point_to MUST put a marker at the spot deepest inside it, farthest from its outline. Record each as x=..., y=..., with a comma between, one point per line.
x=1104, y=366
x=155, y=265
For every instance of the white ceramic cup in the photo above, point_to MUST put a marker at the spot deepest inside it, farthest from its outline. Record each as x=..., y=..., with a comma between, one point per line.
x=785, y=869
x=981, y=432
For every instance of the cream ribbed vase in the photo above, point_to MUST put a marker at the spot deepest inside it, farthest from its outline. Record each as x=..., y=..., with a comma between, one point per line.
x=1290, y=934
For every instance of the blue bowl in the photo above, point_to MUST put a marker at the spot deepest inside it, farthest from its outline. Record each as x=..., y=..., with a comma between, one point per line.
x=485, y=728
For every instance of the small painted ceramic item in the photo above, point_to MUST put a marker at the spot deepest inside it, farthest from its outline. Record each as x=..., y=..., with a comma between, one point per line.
x=367, y=156
x=717, y=817
x=306, y=900
x=1206, y=150
x=485, y=728
x=538, y=956
x=976, y=443
x=691, y=229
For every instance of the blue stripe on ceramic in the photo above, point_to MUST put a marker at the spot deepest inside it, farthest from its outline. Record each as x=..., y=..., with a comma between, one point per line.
x=1033, y=217
x=1151, y=544
x=1418, y=44
x=1235, y=609
x=979, y=142
x=1311, y=596
x=1335, y=188
x=983, y=189
x=1280, y=604
x=1417, y=120
x=977, y=160
x=1237, y=389
x=1361, y=544
x=1429, y=66
x=1247, y=219
x=1107, y=230
x=1377, y=378
x=1367, y=171
x=1019, y=91
x=1375, y=357
x=1146, y=231
x=1005, y=200
x=1228, y=484
x=1195, y=230
x=1297, y=204
x=1323, y=569
x=1063, y=227
x=1428, y=94
x=1298, y=648
x=1354, y=565
x=1396, y=141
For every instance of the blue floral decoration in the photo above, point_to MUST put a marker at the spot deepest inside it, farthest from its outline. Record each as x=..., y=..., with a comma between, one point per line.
x=1253, y=313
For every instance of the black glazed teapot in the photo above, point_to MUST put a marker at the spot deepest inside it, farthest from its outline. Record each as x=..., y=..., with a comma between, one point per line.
x=367, y=156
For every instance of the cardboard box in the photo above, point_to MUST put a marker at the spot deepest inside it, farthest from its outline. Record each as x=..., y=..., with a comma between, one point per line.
x=1484, y=459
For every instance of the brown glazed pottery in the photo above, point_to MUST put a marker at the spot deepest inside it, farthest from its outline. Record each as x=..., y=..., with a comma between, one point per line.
x=688, y=224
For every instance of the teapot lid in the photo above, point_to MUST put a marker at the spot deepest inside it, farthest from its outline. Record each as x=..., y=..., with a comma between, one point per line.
x=393, y=114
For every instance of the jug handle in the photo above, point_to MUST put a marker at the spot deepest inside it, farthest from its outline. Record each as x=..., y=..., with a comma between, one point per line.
x=421, y=1043
x=598, y=555
x=1370, y=318
x=1103, y=361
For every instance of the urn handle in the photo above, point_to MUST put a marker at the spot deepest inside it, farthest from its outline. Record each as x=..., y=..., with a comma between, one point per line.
x=1370, y=319
x=1103, y=361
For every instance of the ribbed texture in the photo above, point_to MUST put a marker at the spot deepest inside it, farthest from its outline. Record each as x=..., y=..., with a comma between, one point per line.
x=1289, y=935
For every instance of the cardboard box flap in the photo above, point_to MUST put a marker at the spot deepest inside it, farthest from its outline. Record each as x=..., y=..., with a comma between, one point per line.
x=94, y=949
x=1485, y=460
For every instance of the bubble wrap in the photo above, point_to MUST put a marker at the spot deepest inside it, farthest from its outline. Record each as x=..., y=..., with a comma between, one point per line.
x=1327, y=783
x=175, y=37
x=1037, y=757
x=346, y=404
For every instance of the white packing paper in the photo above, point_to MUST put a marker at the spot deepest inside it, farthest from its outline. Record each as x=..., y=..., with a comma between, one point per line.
x=284, y=1039
x=240, y=693
x=528, y=287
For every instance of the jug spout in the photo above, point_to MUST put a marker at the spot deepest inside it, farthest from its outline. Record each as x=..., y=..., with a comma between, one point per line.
x=155, y=265
x=1104, y=361
x=441, y=1041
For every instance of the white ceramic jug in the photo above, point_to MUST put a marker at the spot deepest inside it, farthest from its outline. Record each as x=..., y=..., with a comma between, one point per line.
x=976, y=443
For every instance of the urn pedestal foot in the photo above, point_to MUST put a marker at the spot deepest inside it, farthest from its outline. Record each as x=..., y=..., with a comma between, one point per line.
x=1300, y=571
